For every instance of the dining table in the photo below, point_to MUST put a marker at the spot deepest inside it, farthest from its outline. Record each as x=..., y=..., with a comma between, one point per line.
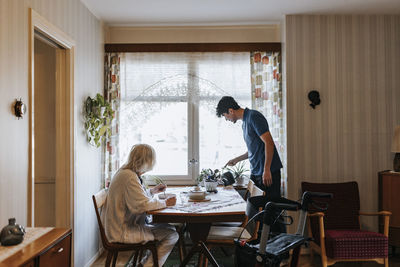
x=225, y=205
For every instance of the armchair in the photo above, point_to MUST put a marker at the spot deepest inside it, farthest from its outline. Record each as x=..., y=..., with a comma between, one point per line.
x=337, y=234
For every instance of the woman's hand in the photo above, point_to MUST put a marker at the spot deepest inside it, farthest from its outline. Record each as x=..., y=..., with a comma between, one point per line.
x=171, y=201
x=158, y=189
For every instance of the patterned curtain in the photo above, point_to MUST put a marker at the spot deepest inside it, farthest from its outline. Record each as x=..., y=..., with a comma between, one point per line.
x=266, y=89
x=112, y=93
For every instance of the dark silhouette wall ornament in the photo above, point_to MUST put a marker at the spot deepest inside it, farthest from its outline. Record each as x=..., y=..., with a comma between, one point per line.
x=313, y=96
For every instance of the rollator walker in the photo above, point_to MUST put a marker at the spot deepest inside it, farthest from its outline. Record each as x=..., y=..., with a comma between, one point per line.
x=270, y=252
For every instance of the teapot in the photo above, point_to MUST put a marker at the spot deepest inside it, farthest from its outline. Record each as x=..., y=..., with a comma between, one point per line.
x=12, y=234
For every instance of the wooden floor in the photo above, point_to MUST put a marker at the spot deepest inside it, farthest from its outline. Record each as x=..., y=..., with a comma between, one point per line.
x=304, y=262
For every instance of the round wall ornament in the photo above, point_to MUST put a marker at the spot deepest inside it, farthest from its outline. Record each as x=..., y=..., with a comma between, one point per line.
x=19, y=108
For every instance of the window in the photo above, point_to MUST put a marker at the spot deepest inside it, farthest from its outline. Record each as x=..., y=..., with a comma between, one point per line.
x=168, y=100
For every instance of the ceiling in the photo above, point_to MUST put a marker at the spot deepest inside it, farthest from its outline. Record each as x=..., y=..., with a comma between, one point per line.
x=225, y=12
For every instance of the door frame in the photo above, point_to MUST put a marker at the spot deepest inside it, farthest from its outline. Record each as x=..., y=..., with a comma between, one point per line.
x=65, y=171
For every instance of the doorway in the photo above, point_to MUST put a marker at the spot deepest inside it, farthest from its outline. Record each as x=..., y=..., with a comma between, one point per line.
x=44, y=131
x=51, y=158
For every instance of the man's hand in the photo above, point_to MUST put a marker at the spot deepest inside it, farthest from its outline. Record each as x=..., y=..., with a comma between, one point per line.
x=267, y=178
x=232, y=162
x=171, y=201
x=158, y=189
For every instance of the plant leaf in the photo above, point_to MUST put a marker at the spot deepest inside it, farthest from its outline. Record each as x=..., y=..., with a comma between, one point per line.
x=102, y=130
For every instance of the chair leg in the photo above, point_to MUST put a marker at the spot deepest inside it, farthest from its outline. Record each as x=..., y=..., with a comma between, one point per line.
x=387, y=262
x=181, y=246
x=205, y=259
x=324, y=261
x=155, y=256
x=140, y=255
x=109, y=257
x=200, y=259
x=311, y=255
x=181, y=242
x=115, y=258
x=205, y=262
x=135, y=258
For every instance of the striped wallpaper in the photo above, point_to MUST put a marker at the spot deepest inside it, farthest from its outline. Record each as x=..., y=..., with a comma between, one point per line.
x=73, y=18
x=354, y=62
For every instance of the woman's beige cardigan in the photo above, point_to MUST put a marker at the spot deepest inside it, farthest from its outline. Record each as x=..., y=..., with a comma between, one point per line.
x=127, y=202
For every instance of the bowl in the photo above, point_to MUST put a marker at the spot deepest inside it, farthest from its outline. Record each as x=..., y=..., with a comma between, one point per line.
x=197, y=194
x=166, y=195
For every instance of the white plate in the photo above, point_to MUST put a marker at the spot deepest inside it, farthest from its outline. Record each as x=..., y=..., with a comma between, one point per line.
x=166, y=195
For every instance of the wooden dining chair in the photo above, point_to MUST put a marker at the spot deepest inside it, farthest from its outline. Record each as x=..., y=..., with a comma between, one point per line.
x=113, y=248
x=225, y=235
x=251, y=190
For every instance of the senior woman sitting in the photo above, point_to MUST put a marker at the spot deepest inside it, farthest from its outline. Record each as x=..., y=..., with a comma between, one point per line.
x=127, y=203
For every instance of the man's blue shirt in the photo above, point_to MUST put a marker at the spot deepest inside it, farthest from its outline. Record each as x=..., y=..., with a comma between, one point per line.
x=254, y=125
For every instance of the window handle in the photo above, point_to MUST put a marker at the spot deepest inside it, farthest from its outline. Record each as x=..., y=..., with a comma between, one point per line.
x=193, y=161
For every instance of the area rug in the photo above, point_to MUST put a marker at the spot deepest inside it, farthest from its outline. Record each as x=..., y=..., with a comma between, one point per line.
x=224, y=260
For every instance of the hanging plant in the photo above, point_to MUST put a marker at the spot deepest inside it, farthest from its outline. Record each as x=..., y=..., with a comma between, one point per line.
x=98, y=117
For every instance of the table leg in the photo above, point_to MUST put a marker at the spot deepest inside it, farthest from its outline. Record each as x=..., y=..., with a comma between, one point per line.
x=198, y=233
x=208, y=254
x=201, y=248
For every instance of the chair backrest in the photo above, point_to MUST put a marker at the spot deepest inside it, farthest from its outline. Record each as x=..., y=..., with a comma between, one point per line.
x=252, y=190
x=343, y=209
x=256, y=191
x=98, y=201
x=254, y=226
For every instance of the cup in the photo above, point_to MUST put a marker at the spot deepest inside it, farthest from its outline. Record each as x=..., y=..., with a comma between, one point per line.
x=166, y=195
x=183, y=196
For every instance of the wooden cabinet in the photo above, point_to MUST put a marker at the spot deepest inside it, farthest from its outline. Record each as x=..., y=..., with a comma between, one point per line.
x=51, y=249
x=29, y=264
x=57, y=255
x=389, y=190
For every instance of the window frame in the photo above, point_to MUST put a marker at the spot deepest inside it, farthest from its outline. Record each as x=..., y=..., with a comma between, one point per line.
x=193, y=112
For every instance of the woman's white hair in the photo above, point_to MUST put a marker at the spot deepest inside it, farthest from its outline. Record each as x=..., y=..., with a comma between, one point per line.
x=142, y=158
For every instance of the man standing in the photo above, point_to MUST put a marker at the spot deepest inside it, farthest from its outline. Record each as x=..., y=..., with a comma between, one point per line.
x=265, y=164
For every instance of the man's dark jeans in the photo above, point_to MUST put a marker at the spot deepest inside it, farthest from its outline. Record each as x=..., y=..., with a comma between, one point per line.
x=271, y=192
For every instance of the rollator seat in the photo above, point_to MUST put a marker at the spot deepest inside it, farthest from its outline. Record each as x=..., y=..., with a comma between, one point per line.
x=282, y=243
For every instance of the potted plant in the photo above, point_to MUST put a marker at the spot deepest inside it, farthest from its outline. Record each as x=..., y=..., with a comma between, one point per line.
x=238, y=172
x=210, y=178
x=98, y=117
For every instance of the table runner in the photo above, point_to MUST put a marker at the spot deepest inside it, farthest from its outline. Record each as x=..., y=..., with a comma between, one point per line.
x=218, y=200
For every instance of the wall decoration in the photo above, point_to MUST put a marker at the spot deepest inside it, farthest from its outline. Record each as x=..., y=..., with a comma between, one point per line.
x=19, y=108
x=98, y=117
x=313, y=96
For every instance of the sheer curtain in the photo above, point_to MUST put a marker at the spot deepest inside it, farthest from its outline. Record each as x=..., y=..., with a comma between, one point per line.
x=266, y=88
x=168, y=100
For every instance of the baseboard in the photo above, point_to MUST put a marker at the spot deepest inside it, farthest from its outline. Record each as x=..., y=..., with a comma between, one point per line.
x=95, y=257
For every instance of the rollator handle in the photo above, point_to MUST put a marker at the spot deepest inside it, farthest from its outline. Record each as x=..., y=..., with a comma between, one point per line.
x=272, y=207
x=281, y=206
